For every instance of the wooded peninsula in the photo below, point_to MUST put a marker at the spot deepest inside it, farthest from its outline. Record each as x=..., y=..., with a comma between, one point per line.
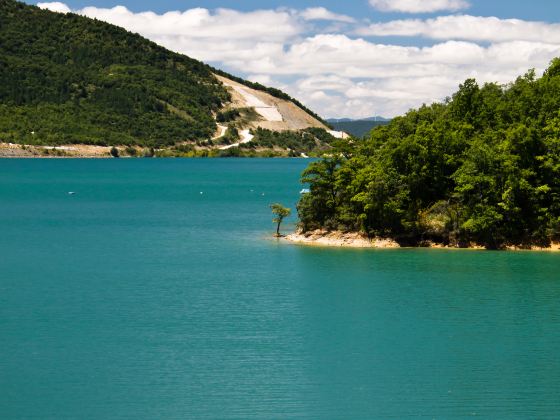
x=482, y=168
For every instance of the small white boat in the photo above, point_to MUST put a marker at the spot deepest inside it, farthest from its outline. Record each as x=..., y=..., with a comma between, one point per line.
x=71, y=193
x=305, y=191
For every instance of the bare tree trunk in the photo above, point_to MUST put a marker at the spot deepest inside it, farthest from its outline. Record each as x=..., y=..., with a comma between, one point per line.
x=278, y=229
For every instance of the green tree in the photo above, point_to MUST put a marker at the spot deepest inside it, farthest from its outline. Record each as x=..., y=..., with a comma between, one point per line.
x=281, y=213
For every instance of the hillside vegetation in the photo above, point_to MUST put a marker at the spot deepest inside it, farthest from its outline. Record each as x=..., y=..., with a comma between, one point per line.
x=70, y=79
x=67, y=79
x=482, y=168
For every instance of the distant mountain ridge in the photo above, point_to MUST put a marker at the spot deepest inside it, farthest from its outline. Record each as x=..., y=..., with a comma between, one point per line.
x=339, y=120
x=359, y=127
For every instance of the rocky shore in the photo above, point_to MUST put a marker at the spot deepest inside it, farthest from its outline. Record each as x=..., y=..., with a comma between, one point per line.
x=340, y=239
x=11, y=150
x=359, y=240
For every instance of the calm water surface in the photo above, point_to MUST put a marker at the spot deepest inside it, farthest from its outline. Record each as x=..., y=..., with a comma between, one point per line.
x=141, y=298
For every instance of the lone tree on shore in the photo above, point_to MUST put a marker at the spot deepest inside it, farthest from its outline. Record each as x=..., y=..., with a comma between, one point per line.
x=280, y=212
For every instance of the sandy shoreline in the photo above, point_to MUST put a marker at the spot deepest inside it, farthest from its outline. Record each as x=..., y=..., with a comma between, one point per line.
x=11, y=150
x=340, y=239
x=84, y=151
x=337, y=239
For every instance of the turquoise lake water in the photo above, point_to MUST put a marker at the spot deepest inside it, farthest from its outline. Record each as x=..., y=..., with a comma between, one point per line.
x=141, y=298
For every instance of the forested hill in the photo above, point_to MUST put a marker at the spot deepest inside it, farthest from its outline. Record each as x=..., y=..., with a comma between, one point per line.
x=70, y=79
x=67, y=79
x=482, y=168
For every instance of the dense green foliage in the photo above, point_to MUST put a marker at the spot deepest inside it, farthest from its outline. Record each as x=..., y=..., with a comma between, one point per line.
x=483, y=167
x=70, y=79
x=228, y=115
x=311, y=141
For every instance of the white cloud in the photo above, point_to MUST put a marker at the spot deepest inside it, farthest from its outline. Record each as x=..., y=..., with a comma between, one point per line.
x=55, y=7
x=419, y=6
x=360, y=77
x=195, y=23
x=473, y=28
x=337, y=74
x=320, y=13
x=263, y=79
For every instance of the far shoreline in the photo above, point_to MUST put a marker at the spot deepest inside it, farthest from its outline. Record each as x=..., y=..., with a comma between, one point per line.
x=356, y=240
x=87, y=151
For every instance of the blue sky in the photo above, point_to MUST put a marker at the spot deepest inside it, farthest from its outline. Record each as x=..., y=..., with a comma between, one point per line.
x=545, y=10
x=355, y=58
